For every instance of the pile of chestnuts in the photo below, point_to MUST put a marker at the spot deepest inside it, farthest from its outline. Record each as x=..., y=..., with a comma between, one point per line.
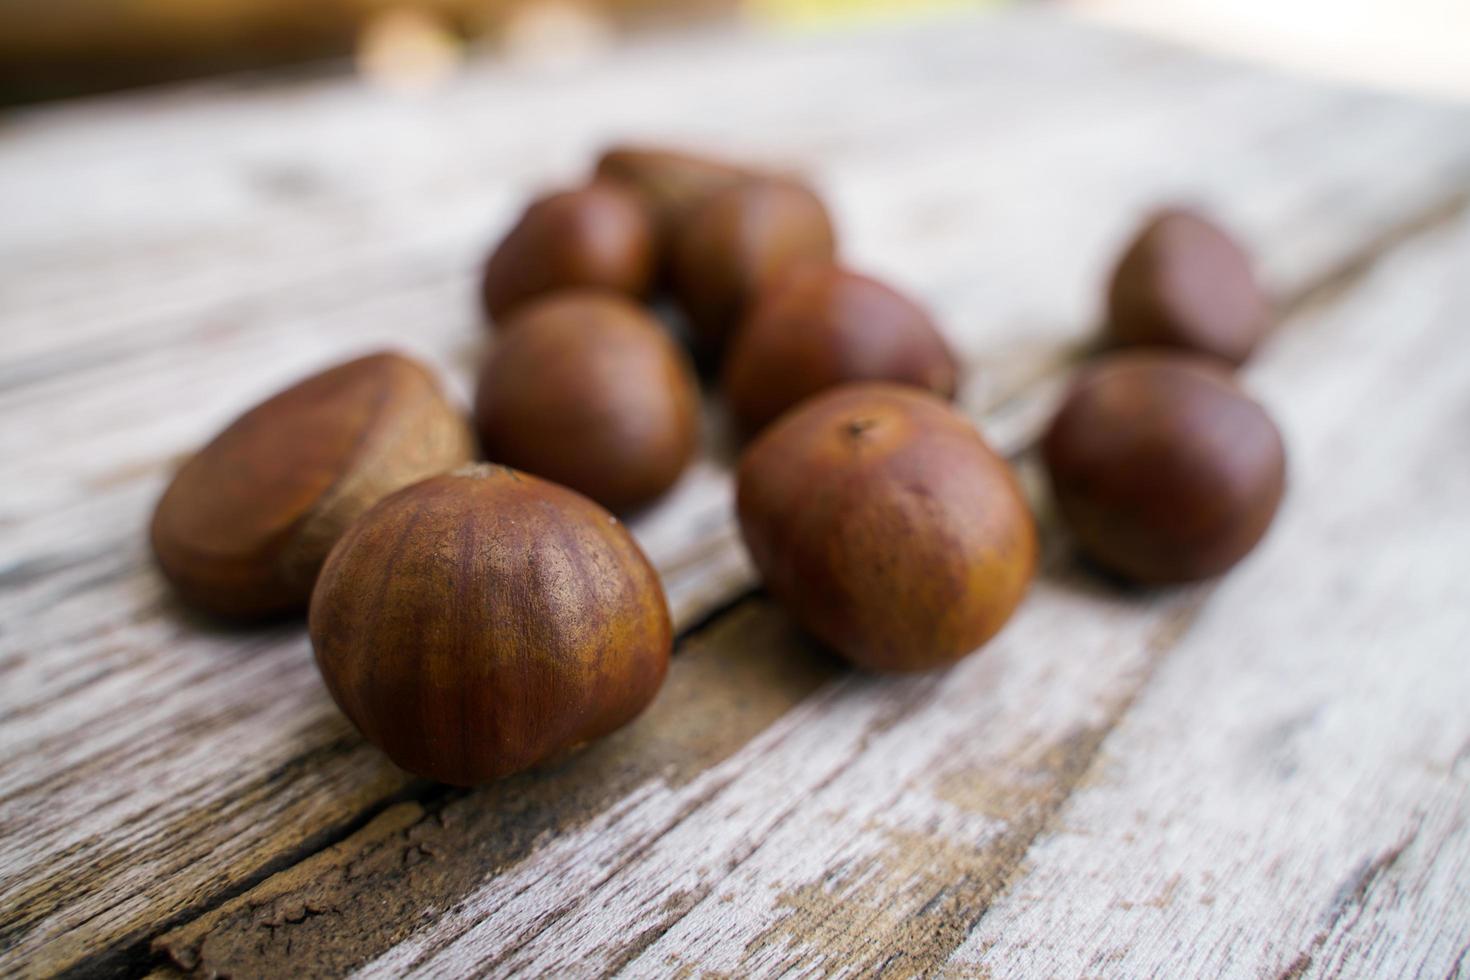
x=476, y=619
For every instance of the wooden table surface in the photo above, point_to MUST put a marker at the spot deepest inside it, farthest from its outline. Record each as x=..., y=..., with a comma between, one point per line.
x=1268, y=775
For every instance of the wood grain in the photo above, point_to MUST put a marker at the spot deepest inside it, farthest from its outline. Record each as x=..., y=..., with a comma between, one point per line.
x=172, y=258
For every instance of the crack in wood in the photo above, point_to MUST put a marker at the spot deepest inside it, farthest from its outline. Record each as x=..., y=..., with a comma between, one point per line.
x=1351, y=896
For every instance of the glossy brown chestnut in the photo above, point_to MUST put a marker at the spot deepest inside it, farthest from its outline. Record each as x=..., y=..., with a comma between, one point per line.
x=819, y=326
x=601, y=235
x=670, y=182
x=246, y=523
x=738, y=240
x=1185, y=283
x=1163, y=469
x=884, y=523
x=587, y=389
x=483, y=621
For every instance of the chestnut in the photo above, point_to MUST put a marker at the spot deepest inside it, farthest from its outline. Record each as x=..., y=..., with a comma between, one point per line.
x=735, y=242
x=246, y=523
x=821, y=325
x=885, y=524
x=1162, y=467
x=670, y=182
x=587, y=389
x=1185, y=283
x=601, y=235
x=483, y=621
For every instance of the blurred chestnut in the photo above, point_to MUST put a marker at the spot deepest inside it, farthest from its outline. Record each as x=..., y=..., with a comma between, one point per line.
x=821, y=325
x=1163, y=469
x=670, y=182
x=483, y=621
x=884, y=523
x=737, y=241
x=587, y=389
x=601, y=235
x=1185, y=283
x=246, y=523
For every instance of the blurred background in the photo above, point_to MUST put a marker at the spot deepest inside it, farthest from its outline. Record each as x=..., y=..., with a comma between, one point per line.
x=58, y=48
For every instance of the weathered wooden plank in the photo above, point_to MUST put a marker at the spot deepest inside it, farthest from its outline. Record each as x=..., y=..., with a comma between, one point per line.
x=882, y=863
x=227, y=761
x=871, y=826
x=1289, y=795
x=727, y=685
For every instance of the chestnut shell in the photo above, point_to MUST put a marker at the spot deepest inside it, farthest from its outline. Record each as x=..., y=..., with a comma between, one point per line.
x=480, y=622
x=1185, y=283
x=587, y=389
x=601, y=235
x=246, y=523
x=670, y=182
x=821, y=325
x=884, y=523
x=737, y=241
x=1163, y=468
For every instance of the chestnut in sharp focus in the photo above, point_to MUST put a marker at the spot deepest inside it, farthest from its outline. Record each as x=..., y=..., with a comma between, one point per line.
x=670, y=182
x=884, y=523
x=1185, y=283
x=821, y=325
x=738, y=240
x=585, y=388
x=246, y=523
x=1163, y=469
x=483, y=621
x=601, y=235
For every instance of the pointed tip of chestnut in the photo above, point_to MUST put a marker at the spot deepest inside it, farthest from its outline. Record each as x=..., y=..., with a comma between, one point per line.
x=481, y=622
x=1162, y=467
x=1186, y=283
x=598, y=236
x=245, y=524
x=885, y=524
x=821, y=325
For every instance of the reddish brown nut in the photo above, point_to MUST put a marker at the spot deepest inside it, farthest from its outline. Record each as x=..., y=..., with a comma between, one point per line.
x=736, y=242
x=1163, y=469
x=884, y=523
x=246, y=523
x=671, y=183
x=585, y=388
x=1185, y=283
x=820, y=326
x=600, y=235
x=483, y=621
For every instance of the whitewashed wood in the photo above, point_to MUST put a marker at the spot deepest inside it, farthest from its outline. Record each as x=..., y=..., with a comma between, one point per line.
x=1290, y=792
x=191, y=250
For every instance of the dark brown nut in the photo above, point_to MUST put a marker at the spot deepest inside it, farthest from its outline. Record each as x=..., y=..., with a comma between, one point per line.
x=820, y=326
x=246, y=523
x=480, y=622
x=600, y=236
x=1185, y=283
x=1163, y=469
x=671, y=183
x=587, y=389
x=884, y=523
x=736, y=242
